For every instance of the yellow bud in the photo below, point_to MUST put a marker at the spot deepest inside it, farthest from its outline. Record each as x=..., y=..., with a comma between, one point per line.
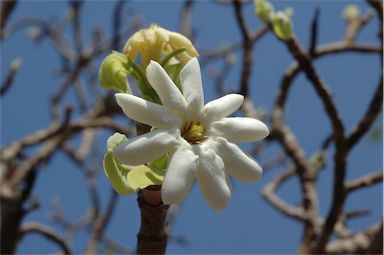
x=351, y=12
x=155, y=42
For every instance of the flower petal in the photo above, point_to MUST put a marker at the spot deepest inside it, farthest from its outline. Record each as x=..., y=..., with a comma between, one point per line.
x=222, y=107
x=212, y=179
x=145, y=112
x=147, y=147
x=169, y=94
x=191, y=84
x=237, y=163
x=179, y=176
x=240, y=129
x=180, y=41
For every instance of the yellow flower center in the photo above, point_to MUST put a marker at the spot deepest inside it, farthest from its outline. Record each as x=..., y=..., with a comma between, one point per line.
x=193, y=132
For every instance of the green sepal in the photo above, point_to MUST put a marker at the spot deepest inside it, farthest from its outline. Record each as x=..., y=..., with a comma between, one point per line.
x=114, y=170
x=173, y=71
x=126, y=179
x=146, y=89
x=114, y=71
x=142, y=176
x=171, y=55
x=117, y=174
x=173, y=66
x=160, y=163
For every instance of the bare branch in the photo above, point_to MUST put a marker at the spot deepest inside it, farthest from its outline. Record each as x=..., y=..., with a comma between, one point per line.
x=314, y=32
x=47, y=232
x=374, y=108
x=9, y=78
x=185, y=19
x=6, y=9
x=247, y=48
x=101, y=223
x=358, y=243
x=269, y=193
x=364, y=181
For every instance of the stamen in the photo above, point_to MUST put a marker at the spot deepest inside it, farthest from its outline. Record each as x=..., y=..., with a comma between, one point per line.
x=193, y=132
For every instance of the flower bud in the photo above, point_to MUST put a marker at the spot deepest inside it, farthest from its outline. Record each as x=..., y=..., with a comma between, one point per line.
x=351, y=12
x=264, y=10
x=282, y=25
x=155, y=42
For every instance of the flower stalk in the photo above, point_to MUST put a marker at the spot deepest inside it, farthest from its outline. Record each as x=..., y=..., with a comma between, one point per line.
x=152, y=237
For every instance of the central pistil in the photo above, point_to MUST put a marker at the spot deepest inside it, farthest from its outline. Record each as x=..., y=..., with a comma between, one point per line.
x=193, y=132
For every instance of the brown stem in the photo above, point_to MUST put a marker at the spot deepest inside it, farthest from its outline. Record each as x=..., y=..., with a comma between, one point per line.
x=152, y=237
x=247, y=46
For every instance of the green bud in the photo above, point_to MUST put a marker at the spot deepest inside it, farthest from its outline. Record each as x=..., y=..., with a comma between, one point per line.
x=114, y=71
x=282, y=25
x=263, y=9
x=16, y=63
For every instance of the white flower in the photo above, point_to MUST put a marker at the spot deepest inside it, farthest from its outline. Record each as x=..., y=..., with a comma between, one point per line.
x=200, y=138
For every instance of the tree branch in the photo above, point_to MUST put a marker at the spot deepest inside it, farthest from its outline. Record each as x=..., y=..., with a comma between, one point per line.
x=6, y=9
x=374, y=108
x=247, y=49
x=47, y=232
x=364, y=181
x=269, y=193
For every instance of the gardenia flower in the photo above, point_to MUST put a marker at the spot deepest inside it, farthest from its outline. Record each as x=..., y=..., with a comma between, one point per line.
x=154, y=41
x=199, y=138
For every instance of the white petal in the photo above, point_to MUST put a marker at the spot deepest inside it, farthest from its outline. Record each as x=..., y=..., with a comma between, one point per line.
x=179, y=176
x=212, y=179
x=145, y=112
x=222, y=107
x=237, y=163
x=191, y=84
x=240, y=129
x=147, y=147
x=169, y=94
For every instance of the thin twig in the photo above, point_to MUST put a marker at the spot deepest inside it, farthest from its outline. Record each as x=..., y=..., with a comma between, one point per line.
x=6, y=9
x=269, y=193
x=185, y=19
x=364, y=181
x=247, y=49
x=373, y=110
x=47, y=232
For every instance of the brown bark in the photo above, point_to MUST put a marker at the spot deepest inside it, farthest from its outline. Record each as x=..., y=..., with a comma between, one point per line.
x=152, y=237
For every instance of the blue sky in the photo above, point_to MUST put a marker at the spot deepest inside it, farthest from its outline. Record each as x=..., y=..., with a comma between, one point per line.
x=248, y=224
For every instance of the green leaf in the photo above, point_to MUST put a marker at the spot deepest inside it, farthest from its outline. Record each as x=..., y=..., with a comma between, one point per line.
x=129, y=179
x=114, y=71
